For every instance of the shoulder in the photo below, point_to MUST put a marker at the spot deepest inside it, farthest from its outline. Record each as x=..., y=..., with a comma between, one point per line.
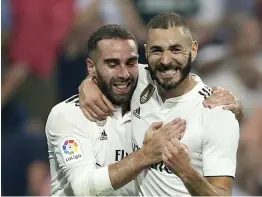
x=220, y=123
x=141, y=67
x=219, y=114
x=68, y=113
x=68, y=108
x=144, y=83
x=144, y=75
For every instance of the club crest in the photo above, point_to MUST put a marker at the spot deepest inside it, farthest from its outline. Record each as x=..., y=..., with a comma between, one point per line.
x=147, y=93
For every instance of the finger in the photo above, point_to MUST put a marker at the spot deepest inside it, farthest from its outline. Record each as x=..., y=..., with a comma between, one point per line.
x=181, y=122
x=214, y=96
x=87, y=114
x=99, y=102
x=210, y=98
x=218, y=101
x=222, y=95
x=176, y=121
x=93, y=114
x=216, y=89
x=180, y=146
x=175, y=127
x=184, y=148
x=97, y=110
x=178, y=133
x=108, y=103
x=176, y=143
x=166, y=160
x=182, y=135
x=171, y=123
x=221, y=102
x=167, y=153
x=221, y=91
x=156, y=125
x=230, y=107
x=172, y=149
x=166, y=126
x=225, y=95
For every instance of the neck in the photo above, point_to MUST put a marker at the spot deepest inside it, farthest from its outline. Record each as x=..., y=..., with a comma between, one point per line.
x=125, y=108
x=184, y=87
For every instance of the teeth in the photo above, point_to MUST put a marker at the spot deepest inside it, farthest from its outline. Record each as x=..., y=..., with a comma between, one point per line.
x=121, y=86
x=169, y=72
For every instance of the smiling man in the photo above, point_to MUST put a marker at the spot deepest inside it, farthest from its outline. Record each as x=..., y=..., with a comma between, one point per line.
x=88, y=158
x=203, y=162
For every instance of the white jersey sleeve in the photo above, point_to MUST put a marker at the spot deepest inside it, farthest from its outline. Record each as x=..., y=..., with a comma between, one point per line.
x=73, y=152
x=220, y=143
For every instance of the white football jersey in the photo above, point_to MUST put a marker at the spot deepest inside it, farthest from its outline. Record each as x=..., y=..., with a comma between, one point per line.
x=80, y=150
x=211, y=135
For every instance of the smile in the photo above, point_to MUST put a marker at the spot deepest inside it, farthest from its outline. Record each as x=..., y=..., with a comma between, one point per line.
x=122, y=87
x=168, y=73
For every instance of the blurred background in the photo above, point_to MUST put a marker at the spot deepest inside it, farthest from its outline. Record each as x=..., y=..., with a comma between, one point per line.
x=43, y=62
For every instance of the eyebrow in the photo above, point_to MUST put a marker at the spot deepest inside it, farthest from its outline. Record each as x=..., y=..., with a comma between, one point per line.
x=155, y=47
x=131, y=59
x=175, y=46
x=112, y=60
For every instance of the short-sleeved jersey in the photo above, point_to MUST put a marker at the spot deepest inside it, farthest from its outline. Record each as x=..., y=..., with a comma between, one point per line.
x=211, y=134
x=78, y=148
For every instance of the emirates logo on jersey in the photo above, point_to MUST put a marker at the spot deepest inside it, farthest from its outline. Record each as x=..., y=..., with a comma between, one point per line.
x=147, y=93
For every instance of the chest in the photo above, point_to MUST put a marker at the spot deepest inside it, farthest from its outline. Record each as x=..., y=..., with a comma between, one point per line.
x=145, y=114
x=112, y=142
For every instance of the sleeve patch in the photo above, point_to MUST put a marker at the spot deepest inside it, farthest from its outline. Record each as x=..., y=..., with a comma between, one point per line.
x=71, y=150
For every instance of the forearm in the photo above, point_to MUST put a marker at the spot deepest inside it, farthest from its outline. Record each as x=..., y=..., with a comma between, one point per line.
x=197, y=185
x=127, y=169
x=86, y=181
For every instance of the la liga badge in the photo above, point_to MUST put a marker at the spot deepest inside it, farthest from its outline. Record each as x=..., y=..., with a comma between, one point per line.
x=71, y=150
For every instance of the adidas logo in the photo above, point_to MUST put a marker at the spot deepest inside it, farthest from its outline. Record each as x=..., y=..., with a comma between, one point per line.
x=103, y=135
x=205, y=92
x=136, y=113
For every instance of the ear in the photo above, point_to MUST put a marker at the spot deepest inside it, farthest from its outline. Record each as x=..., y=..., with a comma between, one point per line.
x=194, y=50
x=90, y=66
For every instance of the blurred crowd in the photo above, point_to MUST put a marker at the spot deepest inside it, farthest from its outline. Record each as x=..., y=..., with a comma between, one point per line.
x=43, y=62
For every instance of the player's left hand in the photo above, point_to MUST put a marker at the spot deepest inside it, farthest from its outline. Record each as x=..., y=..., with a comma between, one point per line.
x=176, y=157
x=224, y=97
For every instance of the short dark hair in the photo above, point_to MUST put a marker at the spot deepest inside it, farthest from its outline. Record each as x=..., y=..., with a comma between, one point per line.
x=111, y=31
x=167, y=20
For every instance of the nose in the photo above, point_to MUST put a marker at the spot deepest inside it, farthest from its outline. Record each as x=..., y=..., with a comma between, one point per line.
x=166, y=57
x=123, y=72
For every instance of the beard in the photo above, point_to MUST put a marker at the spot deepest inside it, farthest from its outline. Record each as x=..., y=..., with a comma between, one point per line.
x=114, y=98
x=172, y=84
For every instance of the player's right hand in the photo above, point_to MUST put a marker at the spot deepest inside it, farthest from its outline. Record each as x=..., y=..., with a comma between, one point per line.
x=158, y=135
x=93, y=102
